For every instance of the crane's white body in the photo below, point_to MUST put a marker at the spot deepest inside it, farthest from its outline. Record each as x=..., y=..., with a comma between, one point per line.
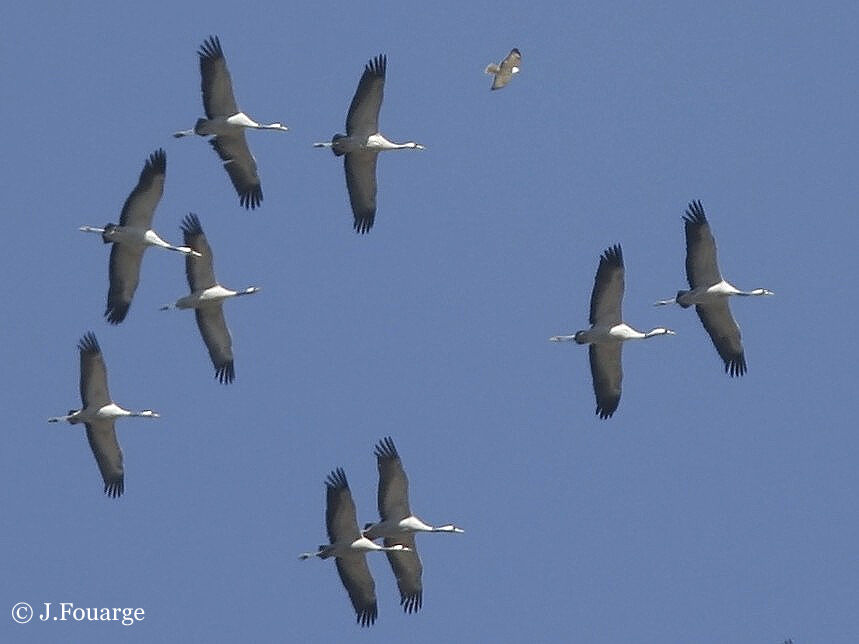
x=706, y=294
x=226, y=125
x=409, y=524
x=105, y=412
x=132, y=236
x=349, y=547
x=344, y=144
x=617, y=333
x=208, y=297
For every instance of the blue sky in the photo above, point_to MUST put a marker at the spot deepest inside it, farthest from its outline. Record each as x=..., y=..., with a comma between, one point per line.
x=707, y=510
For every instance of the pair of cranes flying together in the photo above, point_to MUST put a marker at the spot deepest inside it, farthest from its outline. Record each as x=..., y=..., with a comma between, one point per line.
x=360, y=146
x=397, y=529
x=130, y=239
x=708, y=293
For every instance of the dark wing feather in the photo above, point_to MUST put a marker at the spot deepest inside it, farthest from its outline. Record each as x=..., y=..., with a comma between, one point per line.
x=240, y=165
x=216, y=85
x=139, y=208
x=607, y=296
x=102, y=440
x=94, y=391
x=199, y=270
x=356, y=578
x=361, y=182
x=340, y=518
x=607, y=375
x=407, y=569
x=124, y=272
x=216, y=335
x=363, y=116
x=393, y=494
x=720, y=324
x=702, y=268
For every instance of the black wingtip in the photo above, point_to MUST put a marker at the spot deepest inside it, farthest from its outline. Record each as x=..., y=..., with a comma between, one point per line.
x=367, y=616
x=736, y=367
x=225, y=373
x=337, y=480
x=695, y=213
x=377, y=65
x=157, y=162
x=515, y=51
x=114, y=489
x=363, y=224
x=605, y=412
x=88, y=343
x=211, y=48
x=191, y=226
x=252, y=198
x=412, y=603
x=612, y=255
x=116, y=314
x=385, y=448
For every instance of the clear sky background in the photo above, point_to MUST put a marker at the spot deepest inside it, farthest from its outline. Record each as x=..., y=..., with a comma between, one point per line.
x=707, y=510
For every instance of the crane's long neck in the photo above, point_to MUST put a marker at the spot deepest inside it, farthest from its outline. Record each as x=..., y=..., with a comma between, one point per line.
x=272, y=126
x=250, y=290
x=143, y=413
x=756, y=291
x=657, y=331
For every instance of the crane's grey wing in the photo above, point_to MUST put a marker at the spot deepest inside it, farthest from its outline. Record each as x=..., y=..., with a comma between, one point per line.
x=124, y=272
x=720, y=324
x=356, y=578
x=607, y=295
x=393, y=493
x=340, y=518
x=702, y=268
x=139, y=207
x=505, y=69
x=363, y=116
x=200, y=271
x=361, y=182
x=102, y=440
x=240, y=165
x=216, y=335
x=94, y=392
x=607, y=375
x=216, y=85
x=408, y=570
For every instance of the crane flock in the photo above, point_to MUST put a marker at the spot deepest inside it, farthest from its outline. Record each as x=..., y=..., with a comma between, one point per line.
x=225, y=125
